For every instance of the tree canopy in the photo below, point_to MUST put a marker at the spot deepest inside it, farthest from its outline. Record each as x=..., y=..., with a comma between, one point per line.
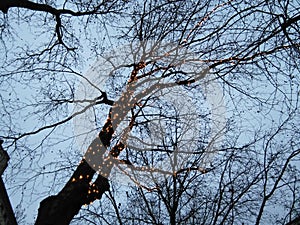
x=151, y=112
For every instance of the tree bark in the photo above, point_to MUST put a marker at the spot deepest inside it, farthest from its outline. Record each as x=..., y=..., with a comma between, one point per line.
x=60, y=209
x=7, y=216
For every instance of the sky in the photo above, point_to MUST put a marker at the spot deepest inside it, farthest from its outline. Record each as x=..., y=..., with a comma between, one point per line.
x=36, y=165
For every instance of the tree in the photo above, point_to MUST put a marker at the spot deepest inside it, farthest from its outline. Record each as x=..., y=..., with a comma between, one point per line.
x=194, y=102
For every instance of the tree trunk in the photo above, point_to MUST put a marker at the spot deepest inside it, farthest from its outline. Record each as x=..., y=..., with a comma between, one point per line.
x=7, y=216
x=60, y=209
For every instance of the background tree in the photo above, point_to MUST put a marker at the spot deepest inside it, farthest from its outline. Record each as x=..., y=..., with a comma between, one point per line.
x=251, y=50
